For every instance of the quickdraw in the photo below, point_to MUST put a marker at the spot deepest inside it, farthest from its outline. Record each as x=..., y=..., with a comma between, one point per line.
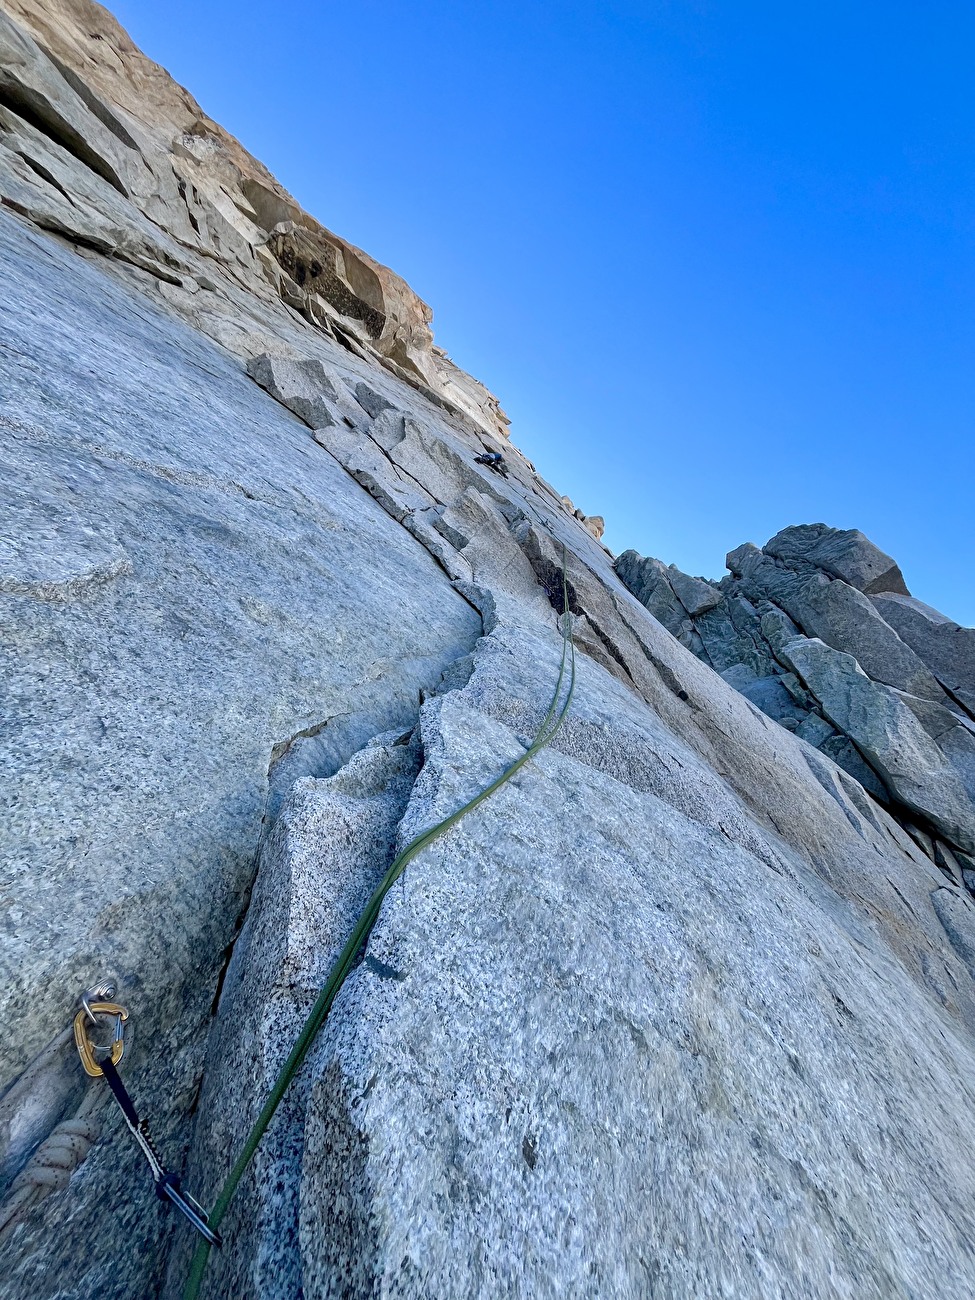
x=100, y=1060
x=86, y=1049
x=167, y=1184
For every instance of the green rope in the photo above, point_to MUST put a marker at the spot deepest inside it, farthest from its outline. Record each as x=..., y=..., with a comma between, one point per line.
x=346, y=960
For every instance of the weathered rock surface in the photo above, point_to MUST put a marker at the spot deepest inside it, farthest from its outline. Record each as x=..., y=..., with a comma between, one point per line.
x=99, y=144
x=281, y=960
x=889, y=683
x=594, y=524
x=671, y=596
x=836, y=613
x=647, y=579
x=683, y=1011
x=590, y=1008
x=194, y=589
x=949, y=650
x=843, y=553
x=886, y=731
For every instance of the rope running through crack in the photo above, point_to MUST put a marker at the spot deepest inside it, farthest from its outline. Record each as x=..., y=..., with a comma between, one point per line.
x=346, y=960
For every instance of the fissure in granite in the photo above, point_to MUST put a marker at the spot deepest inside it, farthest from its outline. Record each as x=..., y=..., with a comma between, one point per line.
x=671, y=982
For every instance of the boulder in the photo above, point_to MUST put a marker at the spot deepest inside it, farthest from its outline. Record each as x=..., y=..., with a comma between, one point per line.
x=843, y=553
x=887, y=733
x=946, y=648
x=838, y=614
x=649, y=580
x=695, y=594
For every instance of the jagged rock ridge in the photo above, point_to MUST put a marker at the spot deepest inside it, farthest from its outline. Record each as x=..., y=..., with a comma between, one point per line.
x=818, y=629
x=683, y=1012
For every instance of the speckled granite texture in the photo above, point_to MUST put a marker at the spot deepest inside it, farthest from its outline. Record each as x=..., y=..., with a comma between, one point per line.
x=683, y=1012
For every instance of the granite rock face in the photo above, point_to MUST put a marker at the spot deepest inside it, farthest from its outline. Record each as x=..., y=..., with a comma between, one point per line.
x=592, y=1007
x=687, y=1009
x=889, y=735
x=817, y=628
x=941, y=643
x=99, y=144
x=837, y=613
x=194, y=594
x=842, y=553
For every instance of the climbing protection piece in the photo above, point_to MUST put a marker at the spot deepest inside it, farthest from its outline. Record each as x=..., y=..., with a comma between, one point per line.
x=167, y=1184
x=346, y=960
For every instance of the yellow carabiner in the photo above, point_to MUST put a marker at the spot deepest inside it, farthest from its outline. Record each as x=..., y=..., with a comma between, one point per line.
x=85, y=1048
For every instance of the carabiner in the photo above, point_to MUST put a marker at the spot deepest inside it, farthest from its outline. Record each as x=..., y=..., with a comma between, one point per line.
x=86, y=1049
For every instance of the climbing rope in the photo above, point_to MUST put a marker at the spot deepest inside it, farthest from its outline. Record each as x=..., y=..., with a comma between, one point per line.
x=316, y=1017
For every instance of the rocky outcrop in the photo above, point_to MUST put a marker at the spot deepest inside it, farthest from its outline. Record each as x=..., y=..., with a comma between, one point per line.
x=100, y=145
x=683, y=1010
x=889, y=735
x=817, y=628
x=839, y=614
x=594, y=524
x=949, y=650
x=842, y=553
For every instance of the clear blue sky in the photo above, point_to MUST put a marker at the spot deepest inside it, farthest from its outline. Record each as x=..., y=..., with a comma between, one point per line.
x=716, y=259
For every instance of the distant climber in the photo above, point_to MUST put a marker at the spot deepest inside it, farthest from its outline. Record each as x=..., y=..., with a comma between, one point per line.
x=494, y=460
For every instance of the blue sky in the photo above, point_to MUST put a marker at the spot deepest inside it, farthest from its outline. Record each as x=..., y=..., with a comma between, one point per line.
x=716, y=259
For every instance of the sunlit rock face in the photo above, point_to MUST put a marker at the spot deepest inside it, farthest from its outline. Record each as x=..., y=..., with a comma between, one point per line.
x=100, y=145
x=685, y=1010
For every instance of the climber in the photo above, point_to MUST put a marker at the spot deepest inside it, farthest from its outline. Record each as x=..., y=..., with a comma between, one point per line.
x=494, y=460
